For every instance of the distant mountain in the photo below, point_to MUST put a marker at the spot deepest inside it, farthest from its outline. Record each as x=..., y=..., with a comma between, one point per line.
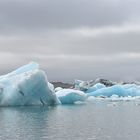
x=63, y=85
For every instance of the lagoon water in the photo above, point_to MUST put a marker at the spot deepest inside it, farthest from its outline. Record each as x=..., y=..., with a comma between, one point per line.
x=99, y=120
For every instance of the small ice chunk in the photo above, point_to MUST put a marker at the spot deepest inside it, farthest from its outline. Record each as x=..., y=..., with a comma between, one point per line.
x=58, y=89
x=70, y=96
x=95, y=87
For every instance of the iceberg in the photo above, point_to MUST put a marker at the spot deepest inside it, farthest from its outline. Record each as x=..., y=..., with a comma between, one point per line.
x=95, y=87
x=83, y=85
x=70, y=96
x=106, y=88
x=28, y=85
x=89, y=85
x=119, y=90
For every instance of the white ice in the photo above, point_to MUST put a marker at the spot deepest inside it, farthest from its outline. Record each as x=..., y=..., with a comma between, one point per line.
x=58, y=89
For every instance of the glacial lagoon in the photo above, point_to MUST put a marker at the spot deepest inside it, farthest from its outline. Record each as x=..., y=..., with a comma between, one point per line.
x=32, y=109
x=92, y=120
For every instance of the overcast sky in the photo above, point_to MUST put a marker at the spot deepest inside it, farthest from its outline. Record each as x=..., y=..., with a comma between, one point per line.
x=72, y=39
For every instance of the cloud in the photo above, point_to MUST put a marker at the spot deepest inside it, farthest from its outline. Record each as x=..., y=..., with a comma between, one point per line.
x=36, y=15
x=82, y=39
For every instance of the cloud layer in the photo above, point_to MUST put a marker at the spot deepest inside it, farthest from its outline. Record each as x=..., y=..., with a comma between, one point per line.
x=82, y=39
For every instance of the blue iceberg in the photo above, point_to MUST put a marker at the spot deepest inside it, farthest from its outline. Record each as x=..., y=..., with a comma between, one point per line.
x=119, y=90
x=70, y=96
x=27, y=85
x=95, y=87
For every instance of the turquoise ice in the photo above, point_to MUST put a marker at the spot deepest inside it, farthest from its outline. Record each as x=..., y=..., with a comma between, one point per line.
x=95, y=87
x=119, y=90
x=28, y=85
x=70, y=96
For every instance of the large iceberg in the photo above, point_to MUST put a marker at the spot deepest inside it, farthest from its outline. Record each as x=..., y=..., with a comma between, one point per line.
x=27, y=85
x=70, y=96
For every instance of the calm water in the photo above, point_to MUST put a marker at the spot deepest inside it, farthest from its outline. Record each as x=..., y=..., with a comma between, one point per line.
x=100, y=120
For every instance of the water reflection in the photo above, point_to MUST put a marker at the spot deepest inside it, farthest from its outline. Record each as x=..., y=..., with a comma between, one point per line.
x=99, y=120
x=23, y=122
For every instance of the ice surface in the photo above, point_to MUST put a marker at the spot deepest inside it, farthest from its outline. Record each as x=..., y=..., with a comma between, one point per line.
x=58, y=88
x=26, y=68
x=70, y=96
x=27, y=85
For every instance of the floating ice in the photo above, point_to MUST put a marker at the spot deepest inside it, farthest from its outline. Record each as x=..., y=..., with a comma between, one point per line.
x=27, y=85
x=120, y=90
x=95, y=87
x=70, y=96
x=58, y=88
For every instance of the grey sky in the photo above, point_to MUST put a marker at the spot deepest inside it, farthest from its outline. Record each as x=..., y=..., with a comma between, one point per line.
x=82, y=39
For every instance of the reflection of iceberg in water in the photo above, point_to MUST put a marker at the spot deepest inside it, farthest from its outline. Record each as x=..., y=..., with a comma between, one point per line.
x=27, y=85
x=28, y=122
